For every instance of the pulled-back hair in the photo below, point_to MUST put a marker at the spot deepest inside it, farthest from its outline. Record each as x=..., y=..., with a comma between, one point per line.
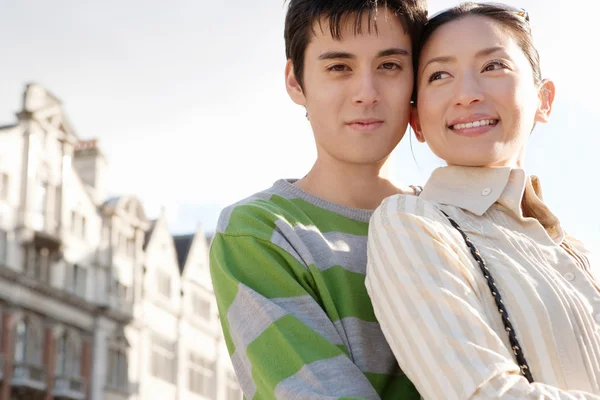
x=515, y=21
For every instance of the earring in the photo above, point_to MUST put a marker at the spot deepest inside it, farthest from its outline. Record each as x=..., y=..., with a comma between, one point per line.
x=306, y=114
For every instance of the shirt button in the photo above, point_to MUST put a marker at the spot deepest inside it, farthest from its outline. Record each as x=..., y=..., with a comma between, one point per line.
x=486, y=191
x=598, y=317
x=570, y=276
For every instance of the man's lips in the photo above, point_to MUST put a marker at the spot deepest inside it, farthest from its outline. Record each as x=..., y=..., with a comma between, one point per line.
x=365, y=124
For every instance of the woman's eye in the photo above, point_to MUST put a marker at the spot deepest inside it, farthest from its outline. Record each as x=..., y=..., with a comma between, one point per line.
x=338, y=68
x=495, y=65
x=436, y=76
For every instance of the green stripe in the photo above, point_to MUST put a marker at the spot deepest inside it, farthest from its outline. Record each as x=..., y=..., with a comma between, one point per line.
x=277, y=347
x=350, y=296
x=262, y=266
x=393, y=387
x=256, y=219
x=327, y=221
x=225, y=288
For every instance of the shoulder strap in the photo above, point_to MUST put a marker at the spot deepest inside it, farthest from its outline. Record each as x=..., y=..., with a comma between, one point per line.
x=512, y=336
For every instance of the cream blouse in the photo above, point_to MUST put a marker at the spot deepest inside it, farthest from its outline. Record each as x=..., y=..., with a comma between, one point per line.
x=436, y=309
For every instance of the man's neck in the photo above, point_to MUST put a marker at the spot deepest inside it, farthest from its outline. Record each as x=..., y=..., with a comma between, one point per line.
x=350, y=185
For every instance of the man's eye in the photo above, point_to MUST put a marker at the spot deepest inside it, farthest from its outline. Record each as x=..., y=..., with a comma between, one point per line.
x=338, y=68
x=391, y=66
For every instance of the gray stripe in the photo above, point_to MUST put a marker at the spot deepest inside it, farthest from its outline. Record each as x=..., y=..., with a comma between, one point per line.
x=307, y=310
x=243, y=370
x=326, y=379
x=280, y=241
x=249, y=315
x=324, y=250
x=368, y=347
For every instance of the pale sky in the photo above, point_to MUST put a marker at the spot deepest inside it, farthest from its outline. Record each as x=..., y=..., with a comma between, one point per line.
x=188, y=101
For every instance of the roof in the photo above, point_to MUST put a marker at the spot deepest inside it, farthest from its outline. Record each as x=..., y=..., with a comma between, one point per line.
x=10, y=126
x=111, y=202
x=183, y=244
x=209, y=238
x=149, y=232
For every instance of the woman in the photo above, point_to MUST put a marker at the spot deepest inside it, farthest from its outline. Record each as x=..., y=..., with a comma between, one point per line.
x=478, y=289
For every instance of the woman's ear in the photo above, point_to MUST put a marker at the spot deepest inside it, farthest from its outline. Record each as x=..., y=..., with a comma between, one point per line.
x=546, y=99
x=415, y=123
x=292, y=85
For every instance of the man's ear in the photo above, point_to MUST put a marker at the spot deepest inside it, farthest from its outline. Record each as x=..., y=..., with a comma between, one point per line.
x=415, y=123
x=293, y=86
x=546, y=95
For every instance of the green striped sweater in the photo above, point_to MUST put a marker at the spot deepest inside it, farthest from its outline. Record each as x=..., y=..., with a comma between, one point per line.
x=288, y=271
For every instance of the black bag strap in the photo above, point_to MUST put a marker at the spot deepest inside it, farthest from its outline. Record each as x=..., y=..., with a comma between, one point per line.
x=512, y=336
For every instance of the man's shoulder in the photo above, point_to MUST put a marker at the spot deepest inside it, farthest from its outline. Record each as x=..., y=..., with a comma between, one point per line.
x=257, y=214
x=284, y=210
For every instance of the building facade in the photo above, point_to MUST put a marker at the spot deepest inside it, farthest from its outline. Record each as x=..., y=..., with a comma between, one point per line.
x=96, y=301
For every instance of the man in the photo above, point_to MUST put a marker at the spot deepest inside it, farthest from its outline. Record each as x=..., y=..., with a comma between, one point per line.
x=288, y=264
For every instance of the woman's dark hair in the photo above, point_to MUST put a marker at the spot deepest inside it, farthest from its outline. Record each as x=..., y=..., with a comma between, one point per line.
x=303, y=14
x=513, y=20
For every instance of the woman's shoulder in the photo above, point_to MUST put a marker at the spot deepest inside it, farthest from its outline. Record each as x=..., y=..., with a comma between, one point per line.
x=405, y=207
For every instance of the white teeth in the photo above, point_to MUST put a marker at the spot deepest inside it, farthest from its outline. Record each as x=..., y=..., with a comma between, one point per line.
x=474, y=124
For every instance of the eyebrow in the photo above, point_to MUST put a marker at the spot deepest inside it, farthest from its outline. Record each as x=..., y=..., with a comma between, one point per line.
x=394, y=51
x=446, y=59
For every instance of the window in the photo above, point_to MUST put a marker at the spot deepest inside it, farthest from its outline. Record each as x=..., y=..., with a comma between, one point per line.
x=28, y=344
x=83, y=227
x=80, y=280
x=79, y=275
x=163, y=283
x=201, y=306
x=20, y=342
x=120, y=291
x=68, y=357
x=76, y=280
x=60, y=369
x=58, y=203
x=78, y=225
x=201, y=376
x=3, y=186
x=41, y=263
x=163, y=359
x=130, y=247
x=73, y=222
x=3, y=247
x=41, y=198
x=233, y=388
x=118, y=374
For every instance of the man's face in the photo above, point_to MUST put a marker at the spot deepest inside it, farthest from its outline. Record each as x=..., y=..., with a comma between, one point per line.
x=357, y=90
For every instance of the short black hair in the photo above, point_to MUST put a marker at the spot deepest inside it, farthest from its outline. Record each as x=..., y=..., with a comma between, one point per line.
x=302, y=15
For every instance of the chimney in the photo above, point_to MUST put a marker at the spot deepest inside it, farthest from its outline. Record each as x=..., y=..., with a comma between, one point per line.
x=91, y=166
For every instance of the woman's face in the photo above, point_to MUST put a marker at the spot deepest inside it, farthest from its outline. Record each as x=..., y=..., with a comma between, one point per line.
x=477, y=100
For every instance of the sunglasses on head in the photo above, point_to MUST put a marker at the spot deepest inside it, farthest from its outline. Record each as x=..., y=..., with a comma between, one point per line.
x=519, y=12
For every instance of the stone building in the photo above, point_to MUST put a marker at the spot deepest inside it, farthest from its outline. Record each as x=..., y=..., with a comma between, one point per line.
x=96, y=300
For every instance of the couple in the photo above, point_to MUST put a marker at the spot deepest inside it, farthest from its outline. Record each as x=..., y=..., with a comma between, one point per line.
x=466, y=289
